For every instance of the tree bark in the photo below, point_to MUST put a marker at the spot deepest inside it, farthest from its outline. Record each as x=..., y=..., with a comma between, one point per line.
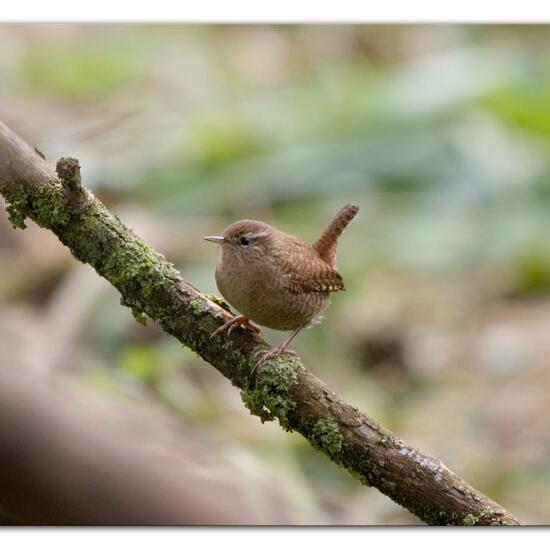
x=284, y=389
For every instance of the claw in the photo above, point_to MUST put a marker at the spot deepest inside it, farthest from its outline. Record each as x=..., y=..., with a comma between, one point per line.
x=238, y=321
x=253, y=328
x=224, y=327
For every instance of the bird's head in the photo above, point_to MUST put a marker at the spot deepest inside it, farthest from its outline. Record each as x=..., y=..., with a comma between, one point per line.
x=246, y=239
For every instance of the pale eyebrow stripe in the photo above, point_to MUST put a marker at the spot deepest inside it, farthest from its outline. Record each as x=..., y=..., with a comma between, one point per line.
x=252, y=234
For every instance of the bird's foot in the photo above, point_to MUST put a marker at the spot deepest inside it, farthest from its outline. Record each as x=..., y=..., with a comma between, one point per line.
x=272, y=353
x=238, y=321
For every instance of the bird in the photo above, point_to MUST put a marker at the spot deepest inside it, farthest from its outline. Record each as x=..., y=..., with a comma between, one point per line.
x=275, y=279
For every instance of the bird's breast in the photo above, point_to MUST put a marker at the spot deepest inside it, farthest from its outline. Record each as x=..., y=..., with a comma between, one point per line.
x=259, y=292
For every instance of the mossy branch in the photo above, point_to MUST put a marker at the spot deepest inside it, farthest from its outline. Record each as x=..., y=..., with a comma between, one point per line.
x=284, y=389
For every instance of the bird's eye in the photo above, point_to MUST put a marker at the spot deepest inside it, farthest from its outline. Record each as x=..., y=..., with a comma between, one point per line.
x=245, y=241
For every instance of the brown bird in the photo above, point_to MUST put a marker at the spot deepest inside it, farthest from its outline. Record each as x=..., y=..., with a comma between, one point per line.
x=276, y=279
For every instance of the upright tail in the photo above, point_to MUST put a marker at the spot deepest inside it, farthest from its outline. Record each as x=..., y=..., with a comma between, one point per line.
x=326, y=245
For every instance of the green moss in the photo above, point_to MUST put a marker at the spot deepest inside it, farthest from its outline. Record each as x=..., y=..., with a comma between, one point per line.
x=470, y=520
x=227, y=345
x=269, y=398
x=327, y=437
x=133, y=268
x=16, y=198
x=48, y=206
x=196, y=306
x=219, y=300
x=18, y=206
x=51, y=207
x=148, y=283
x=360, y=477
x=68, y=170
x=389, y=487
x=238, y=360
x=441, y=518
x=487, y=512
x=316, y=394
x=139, y=316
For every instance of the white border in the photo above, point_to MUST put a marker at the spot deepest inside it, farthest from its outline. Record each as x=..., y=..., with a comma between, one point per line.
x=424, y=538
x=279, y=11
x=282, y=11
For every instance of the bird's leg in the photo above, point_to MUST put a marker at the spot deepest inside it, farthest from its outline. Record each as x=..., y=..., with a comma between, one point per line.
x=237, y=321
x=275, y=352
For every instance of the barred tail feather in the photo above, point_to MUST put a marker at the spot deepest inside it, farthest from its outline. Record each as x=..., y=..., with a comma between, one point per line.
x=326, y=245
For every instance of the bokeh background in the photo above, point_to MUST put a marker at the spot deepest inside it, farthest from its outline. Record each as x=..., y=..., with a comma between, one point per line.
x=440, y=133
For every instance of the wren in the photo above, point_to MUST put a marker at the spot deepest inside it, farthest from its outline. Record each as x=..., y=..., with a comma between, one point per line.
x=276, y=279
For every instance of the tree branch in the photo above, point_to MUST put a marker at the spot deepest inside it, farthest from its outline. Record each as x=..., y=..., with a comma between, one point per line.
x=284, y=389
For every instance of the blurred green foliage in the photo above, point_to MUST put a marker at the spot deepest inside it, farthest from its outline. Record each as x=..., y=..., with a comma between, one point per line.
x=86, y=72
x=526, y=105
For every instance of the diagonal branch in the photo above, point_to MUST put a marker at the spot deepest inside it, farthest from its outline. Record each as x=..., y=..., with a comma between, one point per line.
x=284, y=389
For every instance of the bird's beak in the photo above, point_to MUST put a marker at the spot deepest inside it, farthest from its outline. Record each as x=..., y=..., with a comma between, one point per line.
x=215, y=239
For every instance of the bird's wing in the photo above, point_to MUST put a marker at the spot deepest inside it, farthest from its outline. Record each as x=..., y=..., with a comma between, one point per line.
x=313, y=276
x=323, y=283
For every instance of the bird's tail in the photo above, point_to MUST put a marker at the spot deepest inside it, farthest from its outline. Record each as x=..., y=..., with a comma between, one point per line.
x=326, y=245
